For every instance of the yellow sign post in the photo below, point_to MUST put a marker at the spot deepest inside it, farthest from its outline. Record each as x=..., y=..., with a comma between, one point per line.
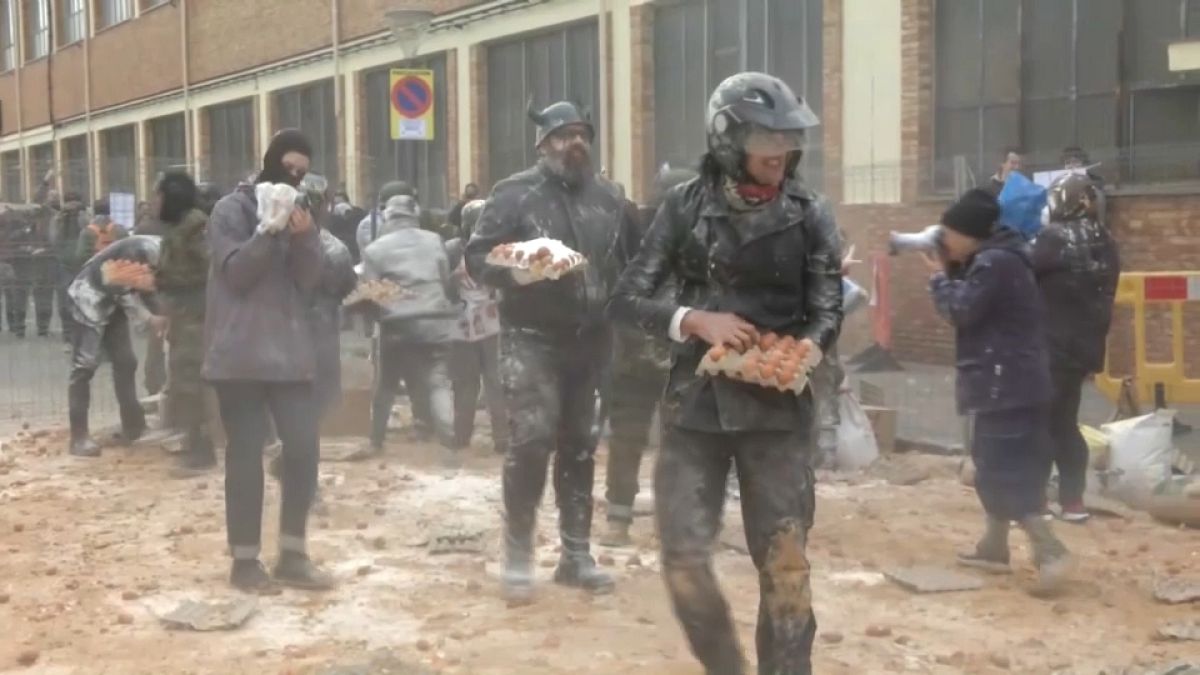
x=412, y=104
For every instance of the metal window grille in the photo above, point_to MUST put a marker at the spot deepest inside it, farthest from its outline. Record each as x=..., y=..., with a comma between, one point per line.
x=77, y=172
x=120, y=159
x=113, y=12
x=10, y=175
x=168, y=144
x=231, y=147
x=422, y=164
x=41, y=160
x=310, y=108
x=1047, y=74
x=74, y=21
x=699, y=43
x=547, y=67
x=38, y=16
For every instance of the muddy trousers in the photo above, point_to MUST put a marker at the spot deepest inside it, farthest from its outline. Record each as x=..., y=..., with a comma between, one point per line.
x=89, y=346
x=1068, y=450
x=245, y=409
x=550, y=392
x=634, y=397
x=425, y=369
x=34, y=276
x=155, y=376
x=476, y=365
x=778, y=500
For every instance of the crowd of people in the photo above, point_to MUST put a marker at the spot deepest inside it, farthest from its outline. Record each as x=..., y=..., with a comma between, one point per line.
x=250, y=307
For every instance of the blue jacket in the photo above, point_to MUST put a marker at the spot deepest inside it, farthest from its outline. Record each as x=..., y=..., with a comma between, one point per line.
x=996, y=310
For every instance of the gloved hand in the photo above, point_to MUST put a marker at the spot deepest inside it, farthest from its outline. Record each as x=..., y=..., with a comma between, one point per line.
x=275, y=204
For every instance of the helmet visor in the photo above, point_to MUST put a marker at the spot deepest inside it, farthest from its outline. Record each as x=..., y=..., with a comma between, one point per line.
x=761, y=141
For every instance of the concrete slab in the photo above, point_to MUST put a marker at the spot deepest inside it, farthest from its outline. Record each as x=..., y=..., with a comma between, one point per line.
x=933, y=579
x=1177, y=590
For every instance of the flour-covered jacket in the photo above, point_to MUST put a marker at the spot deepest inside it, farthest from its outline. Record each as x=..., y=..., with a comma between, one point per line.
x=777, y=267
x=1077, y=266
x=416, y=261
x=590, y=219
x=93, y=302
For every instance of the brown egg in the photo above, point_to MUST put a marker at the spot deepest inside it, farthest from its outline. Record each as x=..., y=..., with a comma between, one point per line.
x=766, y=372
x=542, y=252
x=717, y=352
x=519, y=256
x=749, y=369
x=785, y=376
x=767, y=340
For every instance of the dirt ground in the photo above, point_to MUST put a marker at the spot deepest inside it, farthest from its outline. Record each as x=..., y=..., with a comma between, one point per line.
x=91, y=552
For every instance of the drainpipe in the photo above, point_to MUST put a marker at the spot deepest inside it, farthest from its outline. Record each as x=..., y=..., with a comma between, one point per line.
x=185, y=68
x=602, y=117
x=336, y=24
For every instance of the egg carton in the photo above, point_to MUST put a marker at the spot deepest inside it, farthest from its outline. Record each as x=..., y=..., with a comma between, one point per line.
x=544, y=258
x=775, y=362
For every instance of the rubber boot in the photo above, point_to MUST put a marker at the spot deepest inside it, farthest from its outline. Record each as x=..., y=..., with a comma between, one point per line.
x=577, y=568
x=298, y=571
x=198, y=456
x=991, y=553
x=1051, y=558
x=517, y=581
x=78, y=399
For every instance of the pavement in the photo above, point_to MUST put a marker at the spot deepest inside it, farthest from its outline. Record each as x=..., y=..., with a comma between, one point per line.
x=923, y=396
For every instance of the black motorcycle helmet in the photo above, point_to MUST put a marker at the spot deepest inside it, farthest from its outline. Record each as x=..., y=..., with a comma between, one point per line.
x=557, y=116
x=470, y=216
x=751, y=109
x=1072, y=195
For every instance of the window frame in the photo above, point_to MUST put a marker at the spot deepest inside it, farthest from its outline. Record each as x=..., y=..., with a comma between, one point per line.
x=122, y=11
x=38, y=35
x=74, y=22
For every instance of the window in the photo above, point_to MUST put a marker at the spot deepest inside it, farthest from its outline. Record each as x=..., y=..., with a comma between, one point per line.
x=77, y=174
x=545, y=68
x=11, y=180
x=8, y=36
x=113, y=12
x=120, y=159
x=420, y=163
x=698, y=44
x=74, y=21
x=1047, y=74
x=309, y=108
x=41, y=160
x=232, y=153
x=168, y=145
x=37, y=17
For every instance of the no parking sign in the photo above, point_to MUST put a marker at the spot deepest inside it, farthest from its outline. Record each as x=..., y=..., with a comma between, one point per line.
x=411, y=102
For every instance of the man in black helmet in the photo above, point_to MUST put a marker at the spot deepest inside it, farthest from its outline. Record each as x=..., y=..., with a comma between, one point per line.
x=753, y=250
x=555, y=340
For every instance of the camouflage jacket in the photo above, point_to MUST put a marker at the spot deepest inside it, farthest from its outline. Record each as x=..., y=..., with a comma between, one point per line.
x=182, y=275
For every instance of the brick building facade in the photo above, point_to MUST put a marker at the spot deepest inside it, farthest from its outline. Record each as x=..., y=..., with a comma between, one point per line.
x=213, y=71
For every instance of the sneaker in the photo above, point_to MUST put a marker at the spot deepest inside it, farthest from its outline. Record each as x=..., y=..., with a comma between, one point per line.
x=988, y=564
x=85, y=447
x=193, y=465
x=298, y=571
x=1075, y=513
x=250, y=576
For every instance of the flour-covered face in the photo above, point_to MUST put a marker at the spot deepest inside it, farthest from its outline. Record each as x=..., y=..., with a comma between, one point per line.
x=568, y=152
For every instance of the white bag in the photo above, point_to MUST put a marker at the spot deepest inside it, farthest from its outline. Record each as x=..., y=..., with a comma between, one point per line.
x=856, y=447
x=276, y=201
x=1140, y=450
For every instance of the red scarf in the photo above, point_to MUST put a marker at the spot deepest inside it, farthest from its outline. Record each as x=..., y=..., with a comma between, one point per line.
x=757, y=194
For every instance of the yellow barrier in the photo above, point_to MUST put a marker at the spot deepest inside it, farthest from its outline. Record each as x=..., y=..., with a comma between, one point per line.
x=1137, y=290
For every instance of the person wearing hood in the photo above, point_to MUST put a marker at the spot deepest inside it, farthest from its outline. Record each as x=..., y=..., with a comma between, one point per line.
x=416, y=330
x=477, y=351
x=640, y=366
x=1078, y=266
x=104, y=314
x=261, y=359
x=181, y=280
x=752, y=249
x=555, y=342
x=984, y=285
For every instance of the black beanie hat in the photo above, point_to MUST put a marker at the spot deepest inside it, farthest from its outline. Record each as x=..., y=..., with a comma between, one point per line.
x=974, y=214
x=283, y=142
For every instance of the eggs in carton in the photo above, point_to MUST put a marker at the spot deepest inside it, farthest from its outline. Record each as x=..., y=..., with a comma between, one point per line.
x=543, y=258
x=775, y=362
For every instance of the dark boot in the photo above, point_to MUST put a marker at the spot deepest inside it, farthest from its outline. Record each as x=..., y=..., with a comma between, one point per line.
x=1052, y=559
x=298, y=571
x=198, y=456
x=82, y=444
x=250, y=576
x=577, y=568
x=991, y=553
x=517, y=581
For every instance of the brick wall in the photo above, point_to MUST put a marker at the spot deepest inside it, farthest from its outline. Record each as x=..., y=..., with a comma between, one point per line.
x=139, y=58
x=454, y=180
x=227, y=36
x=642, y=84
x=35, y=106
x=364, y=17
x=479, y=118
x=67, y=74
x=831, y=116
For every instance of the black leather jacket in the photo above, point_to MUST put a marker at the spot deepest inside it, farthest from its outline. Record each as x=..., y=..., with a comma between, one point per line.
x=591, y=219
x=778, y=267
